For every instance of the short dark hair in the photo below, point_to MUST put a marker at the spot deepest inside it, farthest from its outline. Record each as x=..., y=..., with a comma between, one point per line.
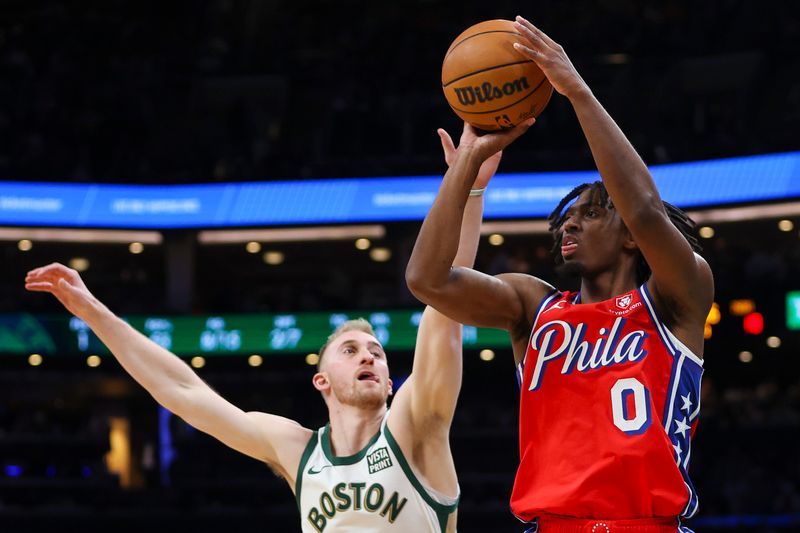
x=599, y=196
x=359, y=324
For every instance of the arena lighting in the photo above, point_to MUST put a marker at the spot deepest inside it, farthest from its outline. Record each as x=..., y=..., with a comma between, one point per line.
x=80, y=235
x=374, y=231
x=751, y=212
x=486, y=355
x=742, y=306
x=774, y=342
x=793, y=310
x=529, y=227
x=714, y=314
x=380, y=255
x=496, y=239
x=706, y=232
x=118, y=457
x=81, y=264
x=273, y=257
x=704, y=216
x=316, y=233
x=753, y=323
x=615, y=59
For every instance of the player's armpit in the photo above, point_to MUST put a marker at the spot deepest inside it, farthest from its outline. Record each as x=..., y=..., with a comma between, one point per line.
x=285, y=438
x=273, y=439
x=681, y=280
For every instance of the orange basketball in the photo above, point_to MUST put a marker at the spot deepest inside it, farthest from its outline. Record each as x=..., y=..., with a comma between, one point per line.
x=490, y=84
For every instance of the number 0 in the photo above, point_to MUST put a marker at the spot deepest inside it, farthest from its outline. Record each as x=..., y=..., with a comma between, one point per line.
x=629, y=423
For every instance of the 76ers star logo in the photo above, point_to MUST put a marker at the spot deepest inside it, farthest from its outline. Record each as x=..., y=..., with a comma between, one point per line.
x=624, y=301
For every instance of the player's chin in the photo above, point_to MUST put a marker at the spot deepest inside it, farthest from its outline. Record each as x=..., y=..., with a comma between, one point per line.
x=571, y=267
x=372, y=399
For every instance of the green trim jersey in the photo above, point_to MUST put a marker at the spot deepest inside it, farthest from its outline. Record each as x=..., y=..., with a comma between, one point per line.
x=372, y=490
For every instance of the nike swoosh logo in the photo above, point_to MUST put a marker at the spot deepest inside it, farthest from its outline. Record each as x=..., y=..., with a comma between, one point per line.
x=311, y=470
x=557, y=305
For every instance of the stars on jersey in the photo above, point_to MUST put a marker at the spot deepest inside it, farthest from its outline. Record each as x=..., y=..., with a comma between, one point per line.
x=682, y=431
x=682, y=427
x=681, y=411
x=678, y=449
x=687, y=403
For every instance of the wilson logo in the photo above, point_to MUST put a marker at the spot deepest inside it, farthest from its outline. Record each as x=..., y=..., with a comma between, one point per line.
x=487, y=91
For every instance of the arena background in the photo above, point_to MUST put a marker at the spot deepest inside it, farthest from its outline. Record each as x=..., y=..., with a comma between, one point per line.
x=180, y=92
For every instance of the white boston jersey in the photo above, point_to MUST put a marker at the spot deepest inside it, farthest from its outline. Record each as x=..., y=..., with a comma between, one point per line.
x=373, y=490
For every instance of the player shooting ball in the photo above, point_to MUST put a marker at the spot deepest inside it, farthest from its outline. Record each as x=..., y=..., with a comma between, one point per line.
x=609, y=375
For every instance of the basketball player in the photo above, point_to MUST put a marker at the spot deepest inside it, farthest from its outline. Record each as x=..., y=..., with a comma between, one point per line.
x=367, y=470
x=609, y=375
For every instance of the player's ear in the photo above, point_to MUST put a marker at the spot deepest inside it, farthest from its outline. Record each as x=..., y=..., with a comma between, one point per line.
x=321, y=381
x=627, y=239
x=391, y=387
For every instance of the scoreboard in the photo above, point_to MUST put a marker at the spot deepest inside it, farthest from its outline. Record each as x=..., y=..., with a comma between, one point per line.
x=233, y=334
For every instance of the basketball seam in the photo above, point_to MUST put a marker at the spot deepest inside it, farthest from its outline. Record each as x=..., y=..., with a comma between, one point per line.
x=486, y=70
x=475, y=35
x=544, y=78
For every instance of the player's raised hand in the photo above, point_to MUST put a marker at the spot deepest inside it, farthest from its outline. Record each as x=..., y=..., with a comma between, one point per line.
x=488, y=168
x=65, y=284
x=485, y=144
x=550, y=57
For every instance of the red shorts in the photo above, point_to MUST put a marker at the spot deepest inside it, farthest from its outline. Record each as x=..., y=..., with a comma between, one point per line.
x=565, y=524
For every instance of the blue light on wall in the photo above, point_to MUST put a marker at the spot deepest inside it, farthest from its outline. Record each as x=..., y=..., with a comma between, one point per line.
x=13, y=470
x=524, y=195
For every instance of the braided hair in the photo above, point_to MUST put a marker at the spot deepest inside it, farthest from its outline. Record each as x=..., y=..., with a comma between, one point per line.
x=599, y=196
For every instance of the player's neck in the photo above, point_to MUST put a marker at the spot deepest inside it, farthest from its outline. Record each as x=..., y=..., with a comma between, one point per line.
x=606, y=285
x=353, y=427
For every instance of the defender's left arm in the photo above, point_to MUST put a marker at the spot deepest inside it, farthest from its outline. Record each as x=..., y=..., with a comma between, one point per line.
x=424, y=407
x=436, y=373
x=431, y=391
x=681, y=279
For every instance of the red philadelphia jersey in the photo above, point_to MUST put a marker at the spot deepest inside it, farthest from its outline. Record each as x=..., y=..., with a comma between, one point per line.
x=609, y=399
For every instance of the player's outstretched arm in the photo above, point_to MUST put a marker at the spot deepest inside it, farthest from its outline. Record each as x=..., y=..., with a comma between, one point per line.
x=680, y=277
x=461, y=293
x=433, y=387
x=171, y=382
x=423, y=409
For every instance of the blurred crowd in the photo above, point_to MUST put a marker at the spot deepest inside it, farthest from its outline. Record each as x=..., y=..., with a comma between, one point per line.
x=744, y=458
x=225, y=90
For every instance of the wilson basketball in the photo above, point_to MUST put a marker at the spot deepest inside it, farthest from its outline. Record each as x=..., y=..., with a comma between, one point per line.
x=490, y=84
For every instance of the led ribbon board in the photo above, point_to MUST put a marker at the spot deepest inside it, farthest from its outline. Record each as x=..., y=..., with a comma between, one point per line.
x=243, y=334
x=526, y=195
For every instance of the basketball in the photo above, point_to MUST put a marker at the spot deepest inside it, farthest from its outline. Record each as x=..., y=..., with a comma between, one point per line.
x=490, y=84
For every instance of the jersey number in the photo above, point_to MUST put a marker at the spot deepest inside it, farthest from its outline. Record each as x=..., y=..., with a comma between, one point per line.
x=636, y=422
